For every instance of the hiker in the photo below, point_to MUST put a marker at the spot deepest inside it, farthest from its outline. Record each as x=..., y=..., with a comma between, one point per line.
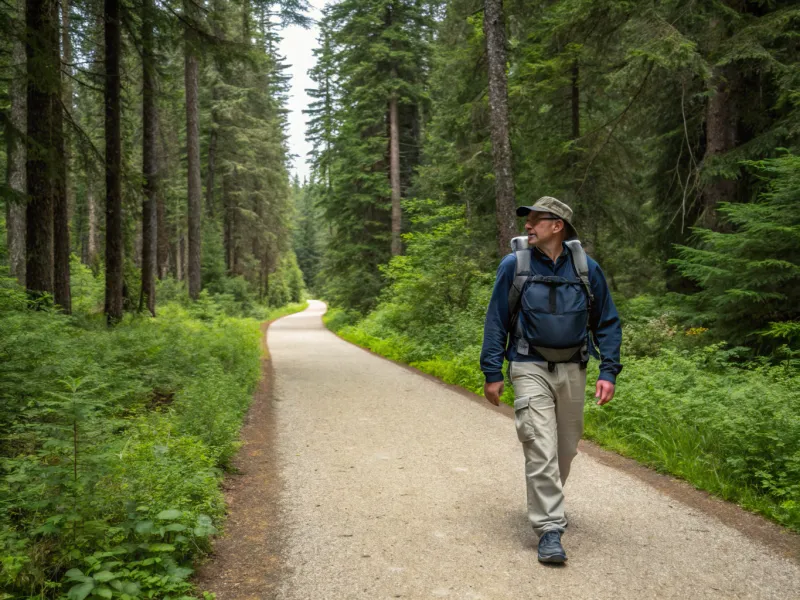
x=549, y=309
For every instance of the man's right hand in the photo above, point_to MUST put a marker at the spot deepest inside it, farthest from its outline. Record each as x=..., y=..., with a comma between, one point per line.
x=493, y=391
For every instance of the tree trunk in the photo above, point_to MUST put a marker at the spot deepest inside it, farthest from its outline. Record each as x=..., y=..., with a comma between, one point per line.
x=15, y=165
x=149, y=162
x=91, y=244
x=182, y=257
x=61, y=212
x=394, y=175
x=721, y=137
x=61, y=289
x=494, y=30
x=114, y=283
x=212, y=155
x=193, y=156
x=164, y=230
x=227, y=223
x=43, y=91
x=162, y=251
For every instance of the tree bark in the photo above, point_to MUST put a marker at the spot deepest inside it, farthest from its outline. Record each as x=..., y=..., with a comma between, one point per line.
x=114, y=248
x=164, y=230
x=162, y=252
x=212, y=155
x=15, y=165
x=721, y=137
x=91, y=243
x=43, y=91
x=61, y=245
x=494, y=30
x=149, y=162
x=61, y=242
x=193, y=158
x=227, y=224
x=394, y=176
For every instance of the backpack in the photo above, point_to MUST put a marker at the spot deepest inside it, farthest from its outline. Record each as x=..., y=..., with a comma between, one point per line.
x=555, y=309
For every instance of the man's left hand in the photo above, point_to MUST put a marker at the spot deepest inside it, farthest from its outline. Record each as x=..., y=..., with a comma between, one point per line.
x=604, y=391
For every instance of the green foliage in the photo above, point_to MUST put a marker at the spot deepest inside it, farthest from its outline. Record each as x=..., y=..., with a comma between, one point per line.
x=113, y=441
x=734, y=432
x=286, y=285
x=88, y=291
x=750, y=274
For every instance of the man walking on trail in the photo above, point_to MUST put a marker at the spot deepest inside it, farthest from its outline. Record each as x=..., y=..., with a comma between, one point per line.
x=549, y=310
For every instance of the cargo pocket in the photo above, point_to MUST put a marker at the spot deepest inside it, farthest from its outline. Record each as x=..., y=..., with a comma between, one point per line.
x=523, y=419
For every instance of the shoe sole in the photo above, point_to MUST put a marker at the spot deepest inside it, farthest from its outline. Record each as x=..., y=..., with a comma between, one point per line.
x=553, y=559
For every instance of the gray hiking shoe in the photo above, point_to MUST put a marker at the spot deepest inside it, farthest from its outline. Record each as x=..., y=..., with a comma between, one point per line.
x=550, y=548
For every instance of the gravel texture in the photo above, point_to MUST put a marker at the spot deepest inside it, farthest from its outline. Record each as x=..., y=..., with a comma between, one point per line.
x=395, y=486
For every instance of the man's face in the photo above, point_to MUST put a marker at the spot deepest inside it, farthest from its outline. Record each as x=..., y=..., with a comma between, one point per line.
x=542, y=227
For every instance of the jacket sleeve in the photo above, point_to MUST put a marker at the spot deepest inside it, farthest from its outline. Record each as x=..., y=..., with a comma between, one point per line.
x=605, y=324
x=495, y=327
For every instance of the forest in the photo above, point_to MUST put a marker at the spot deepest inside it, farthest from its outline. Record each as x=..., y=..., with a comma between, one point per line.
x=151, y=222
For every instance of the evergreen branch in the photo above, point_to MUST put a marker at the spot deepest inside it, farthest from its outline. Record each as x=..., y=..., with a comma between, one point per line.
x=81, y=82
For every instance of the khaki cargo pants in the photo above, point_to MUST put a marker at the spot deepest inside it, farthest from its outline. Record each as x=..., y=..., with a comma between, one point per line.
x=548, y=408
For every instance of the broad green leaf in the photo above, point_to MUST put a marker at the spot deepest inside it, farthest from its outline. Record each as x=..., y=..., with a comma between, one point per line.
x=169, y=515
x=144, y=527
x=80, y=591
x=103, y=592
x=161, y=547
x=130, y=588
x=75, y=574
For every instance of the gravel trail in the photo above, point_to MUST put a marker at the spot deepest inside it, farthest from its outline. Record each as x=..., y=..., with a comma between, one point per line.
x=395, y=486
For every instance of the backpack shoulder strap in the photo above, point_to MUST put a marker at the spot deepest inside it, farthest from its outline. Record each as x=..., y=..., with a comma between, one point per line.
x=521, y=272
x=581, y=264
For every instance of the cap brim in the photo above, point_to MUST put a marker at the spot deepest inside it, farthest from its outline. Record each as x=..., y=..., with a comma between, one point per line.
x=522, y=211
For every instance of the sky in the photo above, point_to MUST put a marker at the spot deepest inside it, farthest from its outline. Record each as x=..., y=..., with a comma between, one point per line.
x=297, y=46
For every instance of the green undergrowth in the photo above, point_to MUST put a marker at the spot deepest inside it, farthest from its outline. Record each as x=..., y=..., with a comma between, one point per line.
x=113, y=442
x=683, y=405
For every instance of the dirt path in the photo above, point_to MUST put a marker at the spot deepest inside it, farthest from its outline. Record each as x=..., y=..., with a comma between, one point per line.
x=394, y=486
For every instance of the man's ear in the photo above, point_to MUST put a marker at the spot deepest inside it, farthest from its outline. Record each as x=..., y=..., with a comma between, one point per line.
x=558, y=226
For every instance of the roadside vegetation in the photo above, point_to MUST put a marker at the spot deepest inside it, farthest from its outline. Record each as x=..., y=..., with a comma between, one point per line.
x=114, y=440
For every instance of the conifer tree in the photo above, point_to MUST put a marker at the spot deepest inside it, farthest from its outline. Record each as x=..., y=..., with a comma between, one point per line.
x=113, y=162
x=494, y=30
x=381, y=53
x=194, y=190
x=16, y=129
x=750, y=274
x=150, y=223
x=43, y=140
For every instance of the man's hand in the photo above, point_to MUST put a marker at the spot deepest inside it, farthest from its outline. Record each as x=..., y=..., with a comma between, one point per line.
x=604, y=391
x=493, y=391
